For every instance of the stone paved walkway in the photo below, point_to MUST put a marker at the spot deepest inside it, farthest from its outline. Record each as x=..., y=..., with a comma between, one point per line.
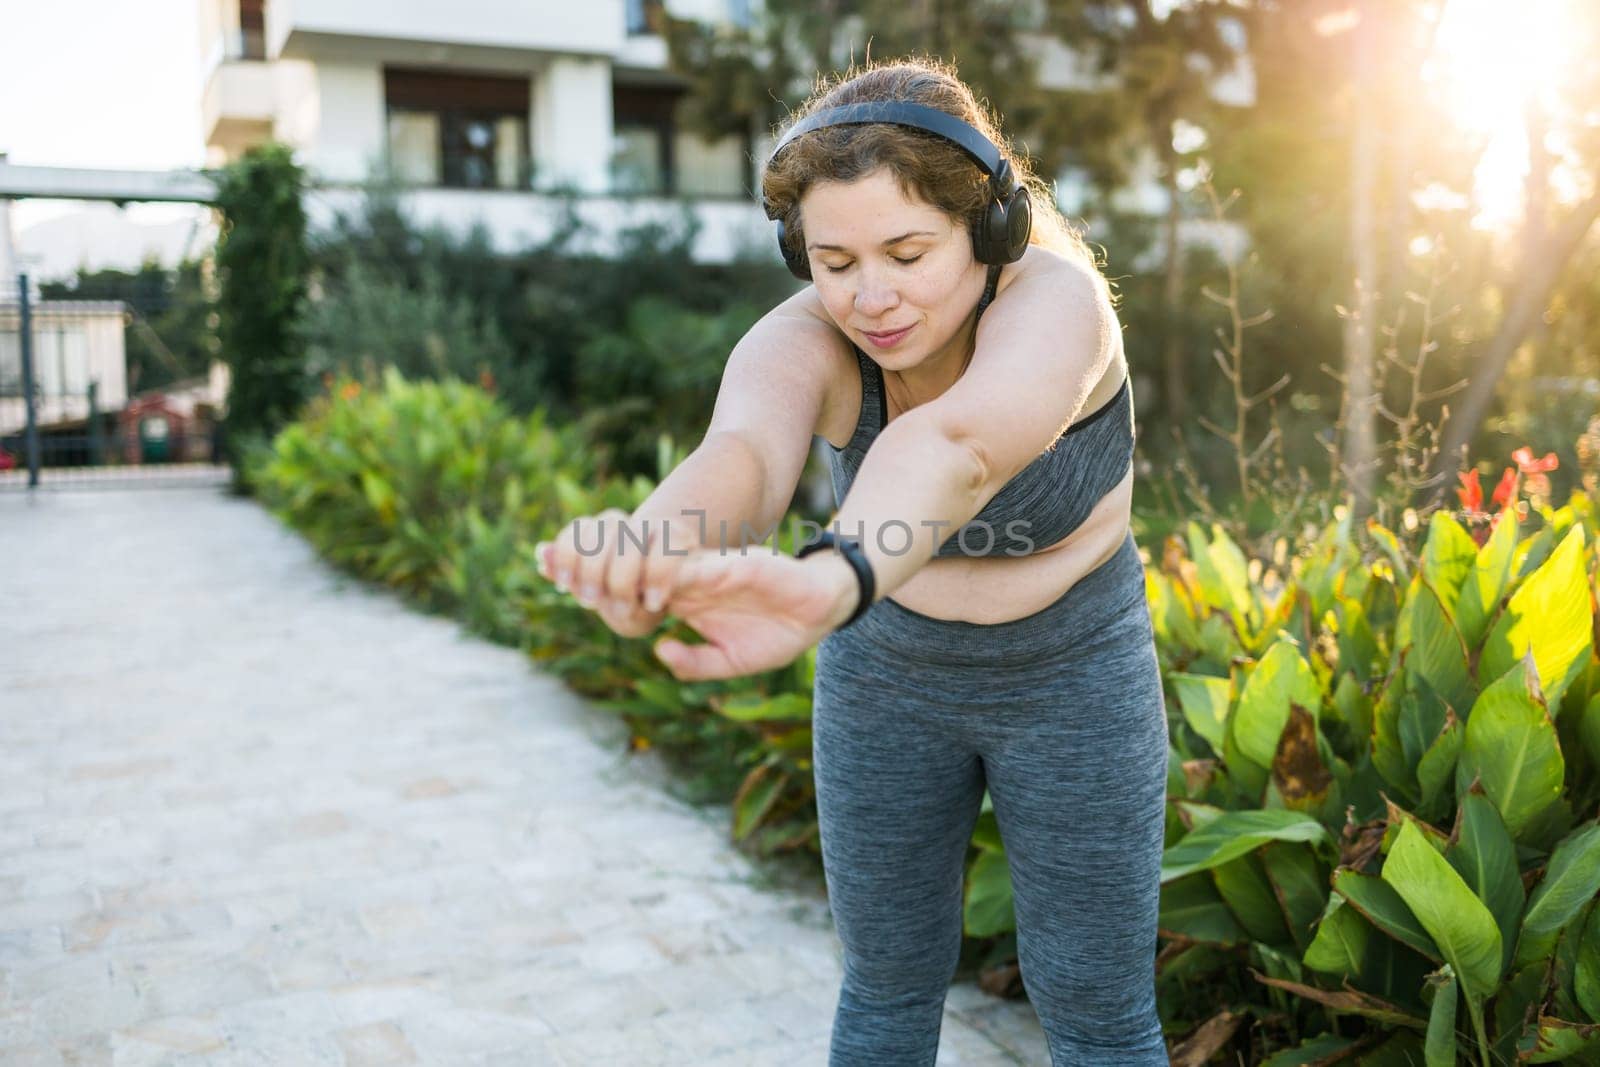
x=253, y=812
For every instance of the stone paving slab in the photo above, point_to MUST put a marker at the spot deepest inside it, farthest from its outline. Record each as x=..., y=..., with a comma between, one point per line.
x=255, y=812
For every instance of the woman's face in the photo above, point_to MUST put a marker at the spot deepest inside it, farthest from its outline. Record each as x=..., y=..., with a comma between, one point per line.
x=896, y=273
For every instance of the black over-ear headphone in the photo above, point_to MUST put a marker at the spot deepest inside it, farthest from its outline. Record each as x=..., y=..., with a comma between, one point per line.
x=1000, y=235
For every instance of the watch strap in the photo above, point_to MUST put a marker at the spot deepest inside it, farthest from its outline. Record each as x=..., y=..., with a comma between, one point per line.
x=850, y=549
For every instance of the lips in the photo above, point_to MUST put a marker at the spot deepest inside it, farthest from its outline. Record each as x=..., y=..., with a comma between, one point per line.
x=888, y=340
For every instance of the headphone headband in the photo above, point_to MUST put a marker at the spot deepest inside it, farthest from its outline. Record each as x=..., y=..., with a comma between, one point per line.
x=903, y=113
x=1000, y=236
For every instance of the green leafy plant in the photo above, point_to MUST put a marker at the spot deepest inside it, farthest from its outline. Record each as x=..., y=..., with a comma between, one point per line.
x=262, y=266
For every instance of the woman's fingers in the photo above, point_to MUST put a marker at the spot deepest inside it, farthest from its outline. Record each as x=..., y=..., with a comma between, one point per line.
x=625, y=566
x=695, y=663
x=577, y=558
x=628, y=621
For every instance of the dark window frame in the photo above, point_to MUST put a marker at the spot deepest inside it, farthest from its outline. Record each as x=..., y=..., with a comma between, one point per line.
x=253, y=29
x=654, y=108
x=459, y=98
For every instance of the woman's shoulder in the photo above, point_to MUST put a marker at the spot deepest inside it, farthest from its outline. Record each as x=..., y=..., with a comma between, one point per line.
x=1064, y=267
x=809, y=333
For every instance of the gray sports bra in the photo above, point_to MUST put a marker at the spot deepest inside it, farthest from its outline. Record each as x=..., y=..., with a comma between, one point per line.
x=1041, y=504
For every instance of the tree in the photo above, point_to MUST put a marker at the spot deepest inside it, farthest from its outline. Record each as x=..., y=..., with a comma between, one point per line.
x=262, y=267
x=1159, y=60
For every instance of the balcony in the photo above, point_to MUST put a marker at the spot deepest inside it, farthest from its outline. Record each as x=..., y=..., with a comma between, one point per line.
x=425, y=31
x=238, y=106
x=514, y=220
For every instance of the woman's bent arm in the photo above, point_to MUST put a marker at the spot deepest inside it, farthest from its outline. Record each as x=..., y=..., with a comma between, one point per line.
x=712, y=497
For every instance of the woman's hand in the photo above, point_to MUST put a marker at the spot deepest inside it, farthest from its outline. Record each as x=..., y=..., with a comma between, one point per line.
x=625, y=584
x=757, y=611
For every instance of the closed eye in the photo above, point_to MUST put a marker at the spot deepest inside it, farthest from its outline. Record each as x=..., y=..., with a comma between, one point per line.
x=897, y=259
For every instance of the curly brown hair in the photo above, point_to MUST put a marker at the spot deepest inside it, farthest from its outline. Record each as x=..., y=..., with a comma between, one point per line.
x=926, y=165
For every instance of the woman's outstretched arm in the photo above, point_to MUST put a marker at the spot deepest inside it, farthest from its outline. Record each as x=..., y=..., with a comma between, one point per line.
x=1040, y=348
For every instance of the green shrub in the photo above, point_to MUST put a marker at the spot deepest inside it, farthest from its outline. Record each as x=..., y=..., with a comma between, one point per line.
x=1384, y=780
x=262, y=265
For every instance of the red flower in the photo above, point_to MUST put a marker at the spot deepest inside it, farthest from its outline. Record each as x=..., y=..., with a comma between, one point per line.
x=1528, y=465
x=1472, y=495
x=1506, y=489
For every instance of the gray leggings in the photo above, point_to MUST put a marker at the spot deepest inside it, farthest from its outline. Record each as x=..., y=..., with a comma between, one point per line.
x=1060, y=715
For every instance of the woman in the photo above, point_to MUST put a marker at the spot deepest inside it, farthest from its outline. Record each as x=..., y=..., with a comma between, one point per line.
x=961, y=385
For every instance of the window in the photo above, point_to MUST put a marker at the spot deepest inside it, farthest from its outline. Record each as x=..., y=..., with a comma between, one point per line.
x=643, y=16
x=651, y=156
x=463, y=131
x=710, y=168
x=252, y=29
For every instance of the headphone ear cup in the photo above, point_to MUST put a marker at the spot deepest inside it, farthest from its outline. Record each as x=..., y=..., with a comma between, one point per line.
x=989, y=240
x=797, y=262
x=1001, y=236
x=1019, y=223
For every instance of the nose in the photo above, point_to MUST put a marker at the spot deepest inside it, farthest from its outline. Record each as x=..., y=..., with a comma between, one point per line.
x=875, y=294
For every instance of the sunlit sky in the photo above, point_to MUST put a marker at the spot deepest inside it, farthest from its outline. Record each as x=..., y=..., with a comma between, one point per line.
x=99, y=83
x=1490, y=68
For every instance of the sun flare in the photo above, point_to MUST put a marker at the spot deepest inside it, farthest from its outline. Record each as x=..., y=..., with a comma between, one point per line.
x=1491, y=64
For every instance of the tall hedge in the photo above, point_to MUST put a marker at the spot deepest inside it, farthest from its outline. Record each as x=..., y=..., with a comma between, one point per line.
x=262, y=265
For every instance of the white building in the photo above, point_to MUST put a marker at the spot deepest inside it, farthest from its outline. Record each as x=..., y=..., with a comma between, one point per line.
x=75, y=342
x=484, y=109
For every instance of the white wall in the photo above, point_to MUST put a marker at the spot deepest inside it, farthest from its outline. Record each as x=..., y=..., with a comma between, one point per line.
x=350, y=137
x=571, y=125
x=535, y=25
x=298, y=108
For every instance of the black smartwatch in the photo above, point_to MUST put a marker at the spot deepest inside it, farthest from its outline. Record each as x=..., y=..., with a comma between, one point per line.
x=850, y=549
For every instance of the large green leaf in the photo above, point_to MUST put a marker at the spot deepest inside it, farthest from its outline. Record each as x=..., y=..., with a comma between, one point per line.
x=1454, y=917
x=1358, y=648
x=1491, y=572
x=1374, y=962
x=1511, y=747
x=755, y=798
x=988, y=909
x=1204, y=700
x=1340, y=944
x=1281, y=677
x=1570, y=881
x=1234, y=833
x=1447, y=557
x=1440, y=1047
x=1353, y=709
x=1190, y=907
x=1550, y=616
x=1486, y=858
x=1438, y=652
x=1388, y=749
x=1586, y=974
x=1224, y=575
x=1242, y=883
x=780, y=706
x=1560, y=1041
x=1300, y=883
x=1378, y=902
x=1436, y=769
